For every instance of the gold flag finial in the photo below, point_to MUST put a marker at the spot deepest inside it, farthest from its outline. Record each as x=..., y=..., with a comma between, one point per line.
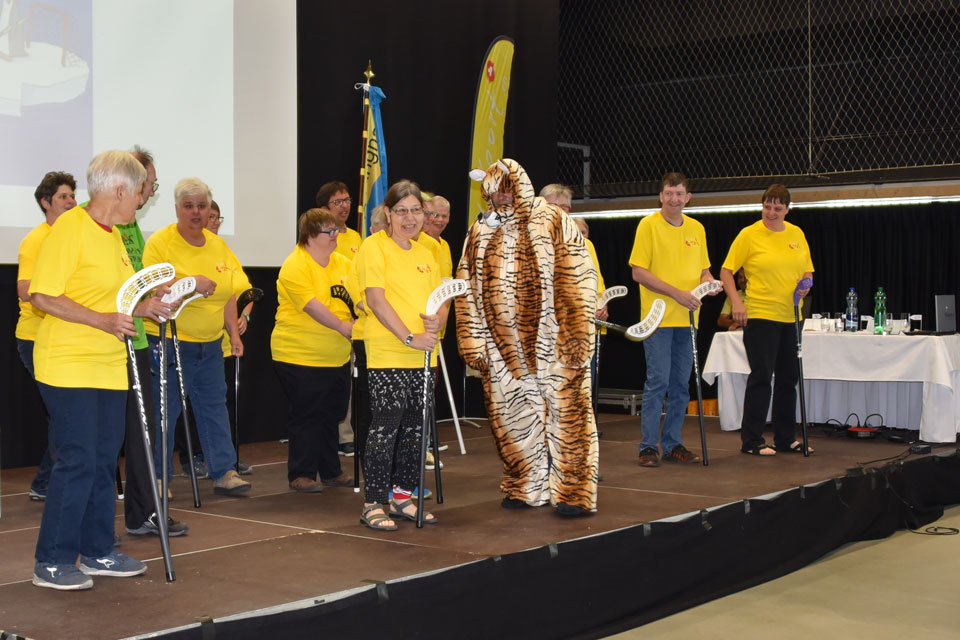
x=369, y=72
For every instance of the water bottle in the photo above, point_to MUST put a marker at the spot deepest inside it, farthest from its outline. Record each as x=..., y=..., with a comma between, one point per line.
x=852, y=316
x=879, y=311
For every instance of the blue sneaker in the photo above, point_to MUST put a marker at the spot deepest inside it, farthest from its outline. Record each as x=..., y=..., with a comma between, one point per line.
x=116, y=564
x=63, y=577
x=38, y=496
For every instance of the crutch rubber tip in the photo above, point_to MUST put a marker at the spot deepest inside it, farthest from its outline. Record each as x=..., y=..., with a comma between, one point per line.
x=356, y=489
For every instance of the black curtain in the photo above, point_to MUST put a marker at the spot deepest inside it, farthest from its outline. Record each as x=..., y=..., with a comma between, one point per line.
x=909, y=250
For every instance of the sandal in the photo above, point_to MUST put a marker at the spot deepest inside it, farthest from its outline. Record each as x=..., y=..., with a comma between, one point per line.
x=373, y=520
x=763, y=450
x=398, y=510
x=796, y=447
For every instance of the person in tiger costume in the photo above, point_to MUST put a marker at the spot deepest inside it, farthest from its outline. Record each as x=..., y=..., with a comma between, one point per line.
x=526, y=323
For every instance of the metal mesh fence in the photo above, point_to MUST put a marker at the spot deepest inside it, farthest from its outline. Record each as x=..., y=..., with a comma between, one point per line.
x=754, y=88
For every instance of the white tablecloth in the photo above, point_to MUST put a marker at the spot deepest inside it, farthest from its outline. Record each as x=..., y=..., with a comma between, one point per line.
x=908, y=380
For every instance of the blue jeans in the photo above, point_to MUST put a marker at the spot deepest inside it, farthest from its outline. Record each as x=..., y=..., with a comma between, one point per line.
x=42, y=479
x=203, y=381
x=79, y=512
x=669, y=355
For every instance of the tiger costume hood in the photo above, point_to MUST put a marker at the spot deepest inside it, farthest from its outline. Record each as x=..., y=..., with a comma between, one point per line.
x=506, y=176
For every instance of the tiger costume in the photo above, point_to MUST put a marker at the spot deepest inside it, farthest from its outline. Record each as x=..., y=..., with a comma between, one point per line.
x=526, y=323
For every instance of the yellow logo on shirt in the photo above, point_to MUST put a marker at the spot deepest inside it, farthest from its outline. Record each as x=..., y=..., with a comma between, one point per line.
x=126, y=261
x=793, y=245
x=354, y=249
x=691, y=242
x=423, y=268
x=221, y=267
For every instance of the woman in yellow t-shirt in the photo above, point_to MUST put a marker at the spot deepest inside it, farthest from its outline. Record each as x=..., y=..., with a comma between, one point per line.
x=311, y=352
x=397, y=276
x=80, y=365
x=193, y=250
x=775, y=257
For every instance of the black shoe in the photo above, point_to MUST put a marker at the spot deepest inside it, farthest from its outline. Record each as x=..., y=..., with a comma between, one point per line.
x=649, y=457
x=346, y=449
x=151, y=527
x=570, y=511
x=682, y=455
x=513, y=503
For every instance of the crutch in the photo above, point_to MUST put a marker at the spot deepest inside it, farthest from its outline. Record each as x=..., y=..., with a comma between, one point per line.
x=805, y=283
x=127, y=298
x=180, y=288
x=446, y=291
x=700, y=291
x=252, y=294
x=602, y=300
x=339, y=292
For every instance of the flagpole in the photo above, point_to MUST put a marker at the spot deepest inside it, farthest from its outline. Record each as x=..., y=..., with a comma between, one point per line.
x=361, y=202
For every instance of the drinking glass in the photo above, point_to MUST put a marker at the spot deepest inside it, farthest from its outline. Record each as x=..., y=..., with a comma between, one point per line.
x=839, y=323
x=888, y=324
x=904, y=322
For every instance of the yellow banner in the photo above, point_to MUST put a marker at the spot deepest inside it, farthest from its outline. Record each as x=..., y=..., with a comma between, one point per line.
x=489, y=116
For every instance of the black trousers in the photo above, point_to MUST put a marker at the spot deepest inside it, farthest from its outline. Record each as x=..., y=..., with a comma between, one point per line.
x=137, y=494
x=318, y=398
x=771, y=350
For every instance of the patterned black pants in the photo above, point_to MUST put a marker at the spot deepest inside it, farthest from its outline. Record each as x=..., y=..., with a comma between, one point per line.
x=393, y=444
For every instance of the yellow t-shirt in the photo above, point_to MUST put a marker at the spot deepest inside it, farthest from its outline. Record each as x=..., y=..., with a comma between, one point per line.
x=348, y=243
x=201, y=320
x=240, y=284
x=30, y=316
x=773, y=261
x=601, y=287
x=676, y=255
x=446, y=260
x=297, y=338
x=408, y=277
x=81, y=260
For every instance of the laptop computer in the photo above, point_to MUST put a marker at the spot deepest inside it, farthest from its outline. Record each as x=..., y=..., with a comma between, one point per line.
x=946, y=314
x=945, y=318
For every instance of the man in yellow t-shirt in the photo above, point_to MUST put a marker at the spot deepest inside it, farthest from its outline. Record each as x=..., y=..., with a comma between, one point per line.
x=55, y=195
x=436, y=217
x=193, y=250
x=775, y=258
x=669, y=259
x=335, y=198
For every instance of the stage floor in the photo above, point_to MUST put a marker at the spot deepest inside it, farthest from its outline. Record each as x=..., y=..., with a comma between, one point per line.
x=276, y=546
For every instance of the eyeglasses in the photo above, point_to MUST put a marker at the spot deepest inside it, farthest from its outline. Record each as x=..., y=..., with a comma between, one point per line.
x=403, y=211
x=340, y=201
x=330, y=232
x=215, y=217
x=156, y=185
x=431, y=214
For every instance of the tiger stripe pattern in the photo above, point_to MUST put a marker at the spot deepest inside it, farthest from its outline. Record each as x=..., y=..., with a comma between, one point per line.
x=526, y=323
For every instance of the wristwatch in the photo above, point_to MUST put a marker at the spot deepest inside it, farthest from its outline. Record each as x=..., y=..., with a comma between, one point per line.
x=408, y=340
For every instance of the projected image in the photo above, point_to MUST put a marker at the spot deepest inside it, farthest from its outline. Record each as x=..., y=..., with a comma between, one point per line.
x=45, y=97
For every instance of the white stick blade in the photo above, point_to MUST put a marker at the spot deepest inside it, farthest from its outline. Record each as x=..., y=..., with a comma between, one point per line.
x=645, y=328
x=613, y=292
x=444, y=292
x=706, y=288
x=142, y=281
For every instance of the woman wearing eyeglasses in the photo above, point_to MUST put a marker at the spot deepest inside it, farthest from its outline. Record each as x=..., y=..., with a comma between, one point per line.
x=311, y=352
x=397, y=276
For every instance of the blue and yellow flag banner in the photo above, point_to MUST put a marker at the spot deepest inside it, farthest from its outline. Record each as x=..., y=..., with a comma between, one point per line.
x=489, y=116
x=375, y=182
